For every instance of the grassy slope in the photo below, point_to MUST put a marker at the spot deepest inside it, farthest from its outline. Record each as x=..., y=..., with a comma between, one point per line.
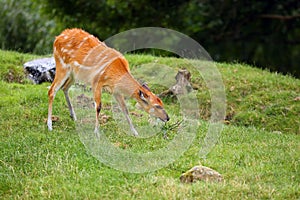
x=255, y=163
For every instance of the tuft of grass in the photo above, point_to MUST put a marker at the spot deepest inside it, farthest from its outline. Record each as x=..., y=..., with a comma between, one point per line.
x=256, y=163
x=262, y=99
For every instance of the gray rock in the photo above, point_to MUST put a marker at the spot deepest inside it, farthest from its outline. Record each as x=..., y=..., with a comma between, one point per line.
x=40, y=70
x=201, y=173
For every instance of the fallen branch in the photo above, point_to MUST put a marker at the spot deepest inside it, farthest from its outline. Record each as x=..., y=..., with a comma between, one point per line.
x=182, y=86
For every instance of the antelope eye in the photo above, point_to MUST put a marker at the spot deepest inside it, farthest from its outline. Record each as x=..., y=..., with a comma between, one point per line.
x=142, y=97
x=158, y=107
x=145, y=102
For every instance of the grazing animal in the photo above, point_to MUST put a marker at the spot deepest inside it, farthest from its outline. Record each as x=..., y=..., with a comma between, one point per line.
x=81, y=56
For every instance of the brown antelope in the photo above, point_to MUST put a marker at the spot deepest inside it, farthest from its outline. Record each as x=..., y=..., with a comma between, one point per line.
x=81, y=56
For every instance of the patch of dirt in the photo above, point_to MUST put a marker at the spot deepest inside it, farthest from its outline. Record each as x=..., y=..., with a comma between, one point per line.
x=84, y=101
x=14, y=77
x=54, y=119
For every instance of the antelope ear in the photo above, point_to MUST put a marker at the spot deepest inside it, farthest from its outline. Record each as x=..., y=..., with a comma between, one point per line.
x=142, y=97
x=146, y=86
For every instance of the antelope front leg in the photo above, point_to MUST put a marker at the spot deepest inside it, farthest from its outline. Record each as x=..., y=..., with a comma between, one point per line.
x=66, y=88
x=49, y=120
x=71, y=109
x=122, y=104
x=97, y=98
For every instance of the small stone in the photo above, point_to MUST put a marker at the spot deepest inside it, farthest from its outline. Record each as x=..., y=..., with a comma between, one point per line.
x=297, y=99
x=232, y=88
x=201, y=173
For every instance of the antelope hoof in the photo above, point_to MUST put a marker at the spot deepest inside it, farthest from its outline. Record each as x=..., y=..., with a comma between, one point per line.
x=50, y=127
x=96, y=132
x=135, y=133
x=73, y=117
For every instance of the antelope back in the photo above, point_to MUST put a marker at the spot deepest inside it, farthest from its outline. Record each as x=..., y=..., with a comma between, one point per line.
x=83, y=53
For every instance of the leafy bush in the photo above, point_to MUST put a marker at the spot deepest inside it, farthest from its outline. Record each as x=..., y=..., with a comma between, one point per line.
x=23, y=28
x=264, y=33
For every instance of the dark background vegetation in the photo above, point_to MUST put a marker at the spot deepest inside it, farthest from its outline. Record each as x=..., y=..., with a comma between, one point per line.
x=263, y=33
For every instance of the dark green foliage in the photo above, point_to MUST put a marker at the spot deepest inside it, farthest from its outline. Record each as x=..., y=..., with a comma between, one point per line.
x=106, y=18
x=262, y=33
x=23, y=28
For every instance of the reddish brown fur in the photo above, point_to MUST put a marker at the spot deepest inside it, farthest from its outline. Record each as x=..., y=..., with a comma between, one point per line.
x=81, y=56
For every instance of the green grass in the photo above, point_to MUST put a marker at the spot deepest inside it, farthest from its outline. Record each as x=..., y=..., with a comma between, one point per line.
x=257, y=154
